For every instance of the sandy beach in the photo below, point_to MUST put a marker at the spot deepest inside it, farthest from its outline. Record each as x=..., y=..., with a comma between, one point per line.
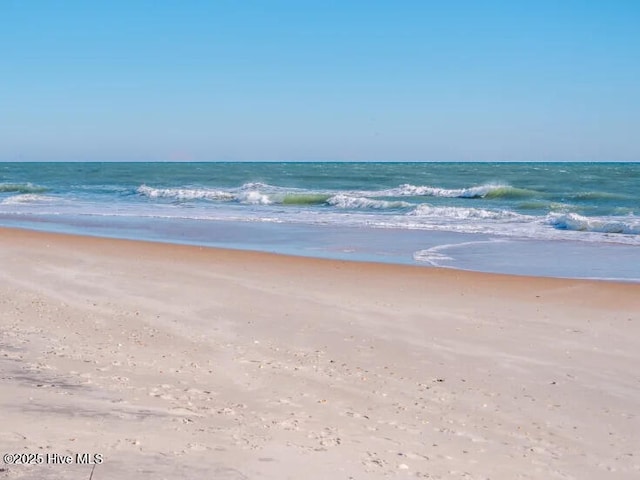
x=186, y=362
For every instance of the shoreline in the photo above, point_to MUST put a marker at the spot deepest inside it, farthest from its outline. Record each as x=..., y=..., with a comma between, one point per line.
x=198, y=362
x=23, y=233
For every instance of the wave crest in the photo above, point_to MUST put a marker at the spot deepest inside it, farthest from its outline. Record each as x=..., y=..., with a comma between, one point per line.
x=578, y=223
x=244, y=195
x=305, y=198
x=184, y=193
x=21, y=188
x=491, y=190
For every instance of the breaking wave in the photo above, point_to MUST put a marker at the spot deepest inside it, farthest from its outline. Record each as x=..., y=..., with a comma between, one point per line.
x=265, y=194
x=578, y=223
x=395, y=206
x=184, y=193
x=256, y=193
x=253, y=197
x=491, y=190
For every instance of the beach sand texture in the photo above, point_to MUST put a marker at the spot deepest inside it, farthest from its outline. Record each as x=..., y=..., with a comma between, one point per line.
x=187, y=362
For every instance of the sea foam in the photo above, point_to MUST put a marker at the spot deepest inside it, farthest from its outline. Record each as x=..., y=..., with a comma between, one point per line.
x=185, y=193
x=461, y=213
x=572, y=221
x=348, y=201
x=26, y=198
x=491, y=190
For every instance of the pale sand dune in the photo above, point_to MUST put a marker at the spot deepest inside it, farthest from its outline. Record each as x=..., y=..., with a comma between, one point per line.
x=185, y=362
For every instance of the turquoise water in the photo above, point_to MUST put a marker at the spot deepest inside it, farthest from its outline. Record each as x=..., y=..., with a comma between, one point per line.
x=557, y=219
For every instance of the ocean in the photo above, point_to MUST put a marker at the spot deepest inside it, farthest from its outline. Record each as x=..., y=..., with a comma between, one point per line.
x=575, y=220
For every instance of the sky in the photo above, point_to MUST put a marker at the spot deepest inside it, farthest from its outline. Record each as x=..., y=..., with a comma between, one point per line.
x=320, y=80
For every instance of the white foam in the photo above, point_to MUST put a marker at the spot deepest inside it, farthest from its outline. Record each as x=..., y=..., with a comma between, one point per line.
x=573, y=221
x=348, y=201
x=253, y=197
x=268, y=203
x=185, y=193
x=254, y=193
x=429, y=191
x=435, y=256
x=462, y=213
x=26, y=198
x=431, y=257
x=259, y=186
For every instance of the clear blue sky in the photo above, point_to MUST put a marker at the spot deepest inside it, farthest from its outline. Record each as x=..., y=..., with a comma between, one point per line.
x=320, y=80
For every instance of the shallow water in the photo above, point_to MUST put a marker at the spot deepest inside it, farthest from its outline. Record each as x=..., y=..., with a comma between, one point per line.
x=578, y=220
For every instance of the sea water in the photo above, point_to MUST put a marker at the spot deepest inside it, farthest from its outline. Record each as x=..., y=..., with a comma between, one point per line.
x=579, y=220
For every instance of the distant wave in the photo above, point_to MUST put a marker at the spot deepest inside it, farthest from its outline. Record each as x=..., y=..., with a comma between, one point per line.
x=575, y=222
x=259, y=186
x=598, y=196
x=491, y=190
x=21, y=188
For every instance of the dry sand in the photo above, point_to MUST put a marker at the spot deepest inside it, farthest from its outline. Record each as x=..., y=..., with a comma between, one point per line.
x=186, y=362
